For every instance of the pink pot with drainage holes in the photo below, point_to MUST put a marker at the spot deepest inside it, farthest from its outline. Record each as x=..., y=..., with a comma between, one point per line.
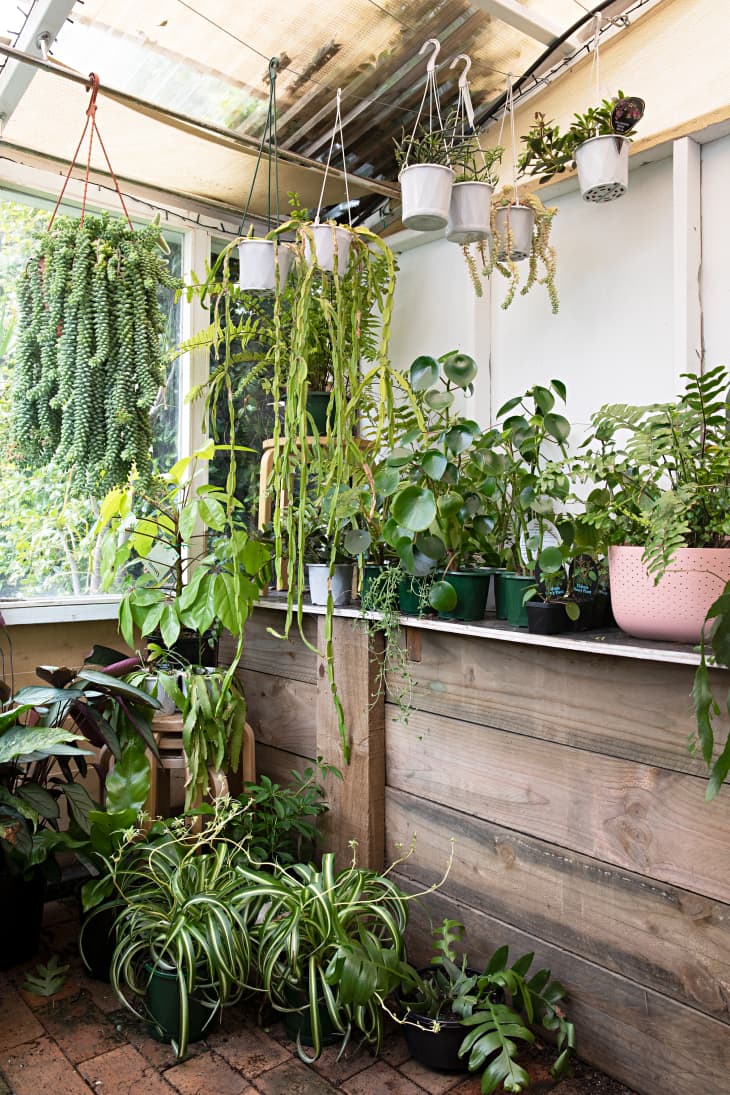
x=675, y=608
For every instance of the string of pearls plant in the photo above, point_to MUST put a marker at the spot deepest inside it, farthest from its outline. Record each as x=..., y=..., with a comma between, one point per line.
x=90, y=358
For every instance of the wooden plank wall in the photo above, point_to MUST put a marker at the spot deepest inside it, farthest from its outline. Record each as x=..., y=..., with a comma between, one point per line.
x=580, y=833
x=53, y=644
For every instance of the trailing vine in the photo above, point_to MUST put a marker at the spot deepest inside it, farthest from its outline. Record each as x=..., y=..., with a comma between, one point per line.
x=90, y=356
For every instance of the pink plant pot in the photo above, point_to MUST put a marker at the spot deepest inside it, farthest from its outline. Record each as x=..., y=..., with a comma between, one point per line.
x=675, y=608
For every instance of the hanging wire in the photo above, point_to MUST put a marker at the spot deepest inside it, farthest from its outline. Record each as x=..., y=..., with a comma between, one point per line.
x=270, y=132
x=596, y=66
x=337, y=127
x=509, y=110
x=430, y=90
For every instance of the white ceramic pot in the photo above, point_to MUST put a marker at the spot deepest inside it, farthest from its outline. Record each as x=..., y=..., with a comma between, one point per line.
x=328, y=239
x=603, y=168
x=469, y=212
x=318, y=574
x=426, y=196
x=513, y=225
x=675, y=609
x=152, y=686
x=257, y=263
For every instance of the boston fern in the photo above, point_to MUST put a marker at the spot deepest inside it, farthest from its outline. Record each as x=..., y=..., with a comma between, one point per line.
x=662, y=471
x=90, y=355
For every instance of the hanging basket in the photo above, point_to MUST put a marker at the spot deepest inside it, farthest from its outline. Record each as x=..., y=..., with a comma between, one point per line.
x=603, y=168
x=513, y=225
x=469, y=212
x=426, y=195
x=257, y=260
x=324, y=242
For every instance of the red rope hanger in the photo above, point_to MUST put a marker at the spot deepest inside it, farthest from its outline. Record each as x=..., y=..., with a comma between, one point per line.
x=93, y=87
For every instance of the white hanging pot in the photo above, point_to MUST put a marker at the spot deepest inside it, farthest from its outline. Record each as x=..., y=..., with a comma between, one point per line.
x=426, y=195
x=328, y=240
x=257, y=263
x=603, y=168
x=469, y=212
x=513, y=225
x=318, y=575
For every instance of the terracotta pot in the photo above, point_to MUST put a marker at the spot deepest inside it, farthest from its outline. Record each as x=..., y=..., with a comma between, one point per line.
x=675, y=609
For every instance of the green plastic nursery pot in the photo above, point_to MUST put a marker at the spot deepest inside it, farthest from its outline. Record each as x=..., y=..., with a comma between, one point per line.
x=163, y=1005
x=514, y=588
x=370, y=572
x=298, y=1024
x=410, y=596
x=472, y=590
x=318, y=405
x=499, y=593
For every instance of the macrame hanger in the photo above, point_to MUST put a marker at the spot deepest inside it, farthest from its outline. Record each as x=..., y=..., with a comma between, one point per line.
x=431, y=91
x=596, y=66
x=270, y=133
x=464, y=107
x=336, y=128
x=509, y=109
x=93, y=87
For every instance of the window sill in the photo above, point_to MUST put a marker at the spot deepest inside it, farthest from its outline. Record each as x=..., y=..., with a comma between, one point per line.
x=59, y=610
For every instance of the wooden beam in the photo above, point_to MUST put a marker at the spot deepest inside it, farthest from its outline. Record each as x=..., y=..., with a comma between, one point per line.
x=687, y=254
x=357, y=801
x=529, y=22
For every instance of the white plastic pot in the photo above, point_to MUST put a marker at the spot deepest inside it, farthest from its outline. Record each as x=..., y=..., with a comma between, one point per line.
x=426, y=195
x=328, y=239
x=318, y=574
x=513, y=225
x=469, y=212
x=257, y=264
x=603, y=168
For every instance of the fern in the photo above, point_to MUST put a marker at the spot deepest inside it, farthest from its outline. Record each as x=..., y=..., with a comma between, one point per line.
x=491, y=1040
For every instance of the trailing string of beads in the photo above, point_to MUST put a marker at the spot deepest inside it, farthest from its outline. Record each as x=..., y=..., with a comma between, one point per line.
x=90, y=354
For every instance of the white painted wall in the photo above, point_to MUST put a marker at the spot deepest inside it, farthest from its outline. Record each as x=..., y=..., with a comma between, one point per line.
x=715, y=278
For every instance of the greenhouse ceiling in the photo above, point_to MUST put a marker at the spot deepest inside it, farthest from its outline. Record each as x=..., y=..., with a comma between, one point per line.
x=184, y=83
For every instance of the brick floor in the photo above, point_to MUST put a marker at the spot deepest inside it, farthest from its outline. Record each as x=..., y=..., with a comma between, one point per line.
x=83, y=1041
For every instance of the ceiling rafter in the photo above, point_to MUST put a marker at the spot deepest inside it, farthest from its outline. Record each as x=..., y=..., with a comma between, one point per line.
x=528, y=22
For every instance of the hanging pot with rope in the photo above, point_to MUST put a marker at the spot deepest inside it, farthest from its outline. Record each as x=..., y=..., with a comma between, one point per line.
x=471, y=194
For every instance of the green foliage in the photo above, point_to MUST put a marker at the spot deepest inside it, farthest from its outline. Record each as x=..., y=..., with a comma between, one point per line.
x=278, y=822
x=496, y=1007
x=423, y=147
x=661, y=472
x=184, y=912
x=716, y=636
x=89, y=355
x=181, y=554
x=336, y=936
x=548, y=152
x=47, y=979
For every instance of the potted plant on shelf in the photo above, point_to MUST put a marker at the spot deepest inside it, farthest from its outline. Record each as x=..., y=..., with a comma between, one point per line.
x=441, y=513
x=455, y=1017
x=660, y=499
x=530, y=488
x=183, y=947
x=597, y=142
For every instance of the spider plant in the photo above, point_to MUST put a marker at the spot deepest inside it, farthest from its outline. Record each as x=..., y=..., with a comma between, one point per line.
x=184, y=919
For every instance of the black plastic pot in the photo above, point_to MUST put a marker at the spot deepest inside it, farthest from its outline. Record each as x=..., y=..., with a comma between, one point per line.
x=298, y=1024
x=192, y=647
x=439, y=1049
x=97, y=940
x=548, y=618
x=22, y=903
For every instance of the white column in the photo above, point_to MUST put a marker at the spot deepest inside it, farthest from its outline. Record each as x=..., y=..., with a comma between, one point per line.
x=687, y=256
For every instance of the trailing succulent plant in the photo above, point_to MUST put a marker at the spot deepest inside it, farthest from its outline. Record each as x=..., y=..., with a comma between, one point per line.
x=90, y=356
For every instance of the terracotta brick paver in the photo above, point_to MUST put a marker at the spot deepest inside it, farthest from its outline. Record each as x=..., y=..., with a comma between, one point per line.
x=40, y=1068
x=83, y=1041
x=207, y=1073
x=123, y=1071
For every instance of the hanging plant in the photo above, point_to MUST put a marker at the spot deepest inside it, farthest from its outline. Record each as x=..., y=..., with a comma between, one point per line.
x=90, y=356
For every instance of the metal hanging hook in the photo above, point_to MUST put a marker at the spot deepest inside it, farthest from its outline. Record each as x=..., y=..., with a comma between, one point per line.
x=463, y=81
x=436, y=47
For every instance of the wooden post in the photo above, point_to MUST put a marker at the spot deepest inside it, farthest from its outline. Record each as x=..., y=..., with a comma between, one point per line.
x=357, y=802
